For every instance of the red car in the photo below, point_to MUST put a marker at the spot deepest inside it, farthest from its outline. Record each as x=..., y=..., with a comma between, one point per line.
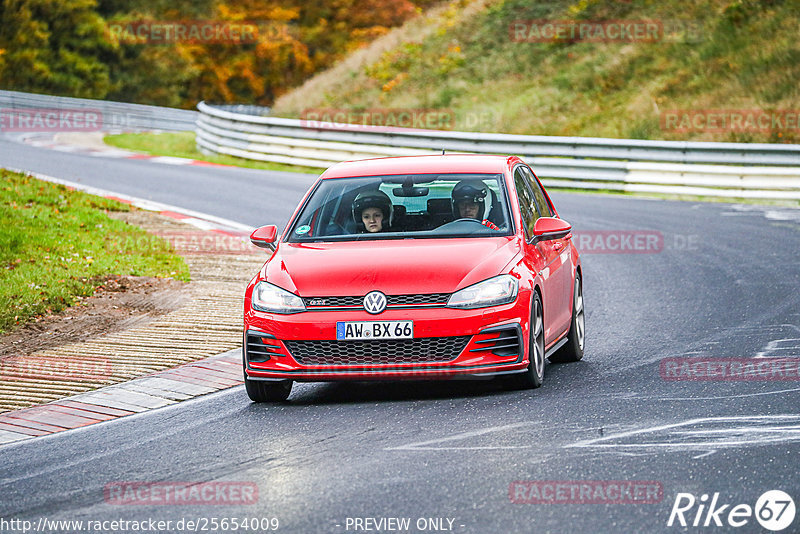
x=425, y=267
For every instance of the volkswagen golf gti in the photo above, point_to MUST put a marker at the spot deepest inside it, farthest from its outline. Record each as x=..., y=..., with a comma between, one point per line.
x=423, y=267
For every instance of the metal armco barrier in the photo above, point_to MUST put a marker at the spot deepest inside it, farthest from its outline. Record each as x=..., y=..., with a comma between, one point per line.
x=114, y=115
x=740, y=170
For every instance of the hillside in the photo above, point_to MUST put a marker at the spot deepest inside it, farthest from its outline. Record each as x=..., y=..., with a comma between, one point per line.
x=728, y=67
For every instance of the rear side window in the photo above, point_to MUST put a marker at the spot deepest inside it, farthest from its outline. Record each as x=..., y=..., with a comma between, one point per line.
x=527, y=203
x=543, y=207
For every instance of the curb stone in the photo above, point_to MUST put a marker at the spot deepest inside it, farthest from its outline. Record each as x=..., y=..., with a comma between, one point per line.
x=136, y=396
x=87, y=145
x=218, y=282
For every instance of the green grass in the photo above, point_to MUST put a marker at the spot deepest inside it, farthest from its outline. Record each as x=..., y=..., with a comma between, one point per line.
x=716, y=55
x=57, y=244
x=182, y=145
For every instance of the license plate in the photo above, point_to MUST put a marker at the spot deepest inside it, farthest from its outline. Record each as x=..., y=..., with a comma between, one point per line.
x=365, y=330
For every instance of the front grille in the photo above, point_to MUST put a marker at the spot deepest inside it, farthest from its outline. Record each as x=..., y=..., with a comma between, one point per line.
x=386, y=351
x=333, y=302
x=426, y=299
x=411, y=300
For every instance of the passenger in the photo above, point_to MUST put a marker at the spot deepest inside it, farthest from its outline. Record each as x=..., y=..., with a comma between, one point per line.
x=470, y=198
x=372, y=211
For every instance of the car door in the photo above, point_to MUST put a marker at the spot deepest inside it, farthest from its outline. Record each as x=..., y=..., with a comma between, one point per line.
x=560, y=269
x=539, y=256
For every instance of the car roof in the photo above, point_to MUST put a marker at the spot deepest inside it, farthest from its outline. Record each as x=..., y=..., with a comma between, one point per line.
x=434, y=164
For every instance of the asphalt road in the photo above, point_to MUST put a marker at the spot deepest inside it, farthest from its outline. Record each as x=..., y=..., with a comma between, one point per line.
x=724, y=284
x=245, y=195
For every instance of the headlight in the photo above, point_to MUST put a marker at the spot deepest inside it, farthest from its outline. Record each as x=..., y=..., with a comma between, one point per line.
x=492, y=292
x=271, y=298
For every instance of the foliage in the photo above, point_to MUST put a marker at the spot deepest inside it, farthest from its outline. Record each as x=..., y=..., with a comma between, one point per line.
x=711, y=55
x=67, y=47
x=54, y=46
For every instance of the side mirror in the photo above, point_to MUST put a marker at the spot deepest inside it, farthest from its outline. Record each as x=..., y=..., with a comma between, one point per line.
x=264, y=237
x=547, y=228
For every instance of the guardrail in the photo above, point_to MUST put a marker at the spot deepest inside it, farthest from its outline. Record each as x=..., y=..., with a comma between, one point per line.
x=113, y=115
x=740, y=170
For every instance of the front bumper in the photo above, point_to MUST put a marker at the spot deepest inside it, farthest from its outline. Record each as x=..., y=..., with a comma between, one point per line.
x=493, y=343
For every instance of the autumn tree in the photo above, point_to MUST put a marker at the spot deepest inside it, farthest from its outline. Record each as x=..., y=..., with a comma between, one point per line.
x=65, y=47
x=54, y=46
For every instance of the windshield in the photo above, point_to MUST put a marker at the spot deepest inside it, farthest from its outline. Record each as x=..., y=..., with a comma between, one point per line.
x=404, y=206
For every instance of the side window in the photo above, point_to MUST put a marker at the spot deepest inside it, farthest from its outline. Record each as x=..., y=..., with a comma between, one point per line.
x=541, y=200
x=527, y=204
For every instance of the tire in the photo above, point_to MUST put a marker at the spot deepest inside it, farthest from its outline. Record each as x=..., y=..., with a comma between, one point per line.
x=260, y=391
x=534, y=375
x=572, y=351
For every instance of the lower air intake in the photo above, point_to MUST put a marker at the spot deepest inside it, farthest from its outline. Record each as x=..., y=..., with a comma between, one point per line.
x=388, y=351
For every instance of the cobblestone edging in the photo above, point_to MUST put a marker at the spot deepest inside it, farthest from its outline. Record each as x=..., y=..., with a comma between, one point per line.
x=135, y=396
x=208, y=325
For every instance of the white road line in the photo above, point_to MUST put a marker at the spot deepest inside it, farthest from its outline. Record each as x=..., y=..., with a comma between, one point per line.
x=757, y=434
x=773, y=348
x=170, y=160
x=735, y=395
x=424, y=445
x=141, y=203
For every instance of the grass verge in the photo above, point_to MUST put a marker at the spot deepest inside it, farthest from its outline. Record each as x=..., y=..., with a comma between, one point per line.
x=57, y=245
x=182, y=145
x=468, y=59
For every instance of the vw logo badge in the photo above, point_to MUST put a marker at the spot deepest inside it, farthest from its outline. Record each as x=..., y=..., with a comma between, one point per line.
x=375, y=302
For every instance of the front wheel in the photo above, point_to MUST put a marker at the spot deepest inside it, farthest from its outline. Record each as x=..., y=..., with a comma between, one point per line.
x=261, y=391
x=572, y=351
x=534, y=375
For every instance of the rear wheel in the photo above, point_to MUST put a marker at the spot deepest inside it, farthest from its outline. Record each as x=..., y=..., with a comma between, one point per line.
x=534, y=374
x=260, y=391
x=572, y=351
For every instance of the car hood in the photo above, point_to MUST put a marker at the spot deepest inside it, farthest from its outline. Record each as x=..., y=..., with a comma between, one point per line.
x=396, y=267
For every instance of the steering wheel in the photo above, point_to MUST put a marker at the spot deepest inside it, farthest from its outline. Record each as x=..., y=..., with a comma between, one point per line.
x=466, y=219
x=446, y=226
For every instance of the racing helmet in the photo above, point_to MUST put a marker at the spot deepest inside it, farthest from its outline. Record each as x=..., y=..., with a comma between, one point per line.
x=472, y=191
x=373, y=199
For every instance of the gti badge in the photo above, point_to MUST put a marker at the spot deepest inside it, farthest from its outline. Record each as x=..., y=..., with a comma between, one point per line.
x=375, y=302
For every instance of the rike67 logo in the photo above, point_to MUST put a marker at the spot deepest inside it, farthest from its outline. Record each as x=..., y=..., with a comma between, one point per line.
x=774, y=510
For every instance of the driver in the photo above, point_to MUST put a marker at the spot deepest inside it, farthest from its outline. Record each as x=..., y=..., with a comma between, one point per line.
x=372, y=211
x=470, y=200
